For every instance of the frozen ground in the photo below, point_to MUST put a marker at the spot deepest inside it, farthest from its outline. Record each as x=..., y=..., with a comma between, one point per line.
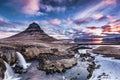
x=109, y=68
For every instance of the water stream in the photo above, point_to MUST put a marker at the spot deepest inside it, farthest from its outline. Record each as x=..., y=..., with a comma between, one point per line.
x=22, y=61
x=9, y=74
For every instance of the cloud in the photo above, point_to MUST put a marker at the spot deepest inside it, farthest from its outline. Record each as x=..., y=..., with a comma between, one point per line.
x=111, y=29
x=37, y=7
x=109, y=1
x=55, y=21
x=93, y=30
x=102, y=17
x=91, y=10
x=115, y=22
x=31, y=7
x=69, y=21
x=9, y=26
x=83, y=21
x=97, y=16
x=50, y=8
x=6, y=34
x=51, y=22
x=5, y=23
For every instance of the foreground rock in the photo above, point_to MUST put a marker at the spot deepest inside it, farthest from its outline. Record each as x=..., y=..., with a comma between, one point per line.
x=110, y=51
x=56, y=63
x=8, y=54
x=2, y=69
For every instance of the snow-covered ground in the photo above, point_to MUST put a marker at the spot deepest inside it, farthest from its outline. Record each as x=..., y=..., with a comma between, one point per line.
x=109, y=68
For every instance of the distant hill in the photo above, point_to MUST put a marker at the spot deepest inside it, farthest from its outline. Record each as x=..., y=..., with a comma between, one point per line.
x=112, y=40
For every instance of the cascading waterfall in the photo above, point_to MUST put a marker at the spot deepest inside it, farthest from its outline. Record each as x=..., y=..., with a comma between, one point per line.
x=9, y=74
x=22, y=60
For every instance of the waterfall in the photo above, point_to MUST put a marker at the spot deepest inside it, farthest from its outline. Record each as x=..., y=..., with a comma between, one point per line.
x=9, y=74
x=22, y=60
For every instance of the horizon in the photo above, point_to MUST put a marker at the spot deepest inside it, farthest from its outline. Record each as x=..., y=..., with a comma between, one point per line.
x=62, y=19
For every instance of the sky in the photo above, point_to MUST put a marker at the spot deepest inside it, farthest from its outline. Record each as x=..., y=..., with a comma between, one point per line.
x=63, y=19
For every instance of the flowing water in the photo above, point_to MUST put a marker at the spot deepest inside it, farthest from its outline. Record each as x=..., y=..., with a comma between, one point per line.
x=22, y=60
x=9, y=74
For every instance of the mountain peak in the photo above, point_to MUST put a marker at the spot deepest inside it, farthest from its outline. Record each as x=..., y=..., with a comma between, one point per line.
x=34, y=27
x=33, y=33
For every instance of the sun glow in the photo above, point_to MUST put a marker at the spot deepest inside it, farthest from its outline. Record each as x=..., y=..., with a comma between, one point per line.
x=93, y=30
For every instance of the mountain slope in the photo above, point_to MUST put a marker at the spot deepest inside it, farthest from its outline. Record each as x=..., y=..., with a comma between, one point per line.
x=32, y=33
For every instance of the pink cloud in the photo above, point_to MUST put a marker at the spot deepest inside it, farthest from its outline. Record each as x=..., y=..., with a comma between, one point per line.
x=109, y=1
x=31, y=7
x=2, y=19
x=55, y=21
x=116, y=22
x=97, y=16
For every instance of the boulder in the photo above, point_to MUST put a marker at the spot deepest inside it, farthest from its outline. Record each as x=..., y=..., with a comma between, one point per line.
x=8, y=54
x=34, y=52
x=55, y=63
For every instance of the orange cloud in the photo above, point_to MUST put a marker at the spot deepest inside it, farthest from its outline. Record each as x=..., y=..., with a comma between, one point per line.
x=113, y=29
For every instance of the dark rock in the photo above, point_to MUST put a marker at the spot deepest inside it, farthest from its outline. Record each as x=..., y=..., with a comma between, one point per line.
x=18, y=69
x=90, y=69
x=85, y=55
x=2, y=68
x=34, y=27
x=54, y=50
